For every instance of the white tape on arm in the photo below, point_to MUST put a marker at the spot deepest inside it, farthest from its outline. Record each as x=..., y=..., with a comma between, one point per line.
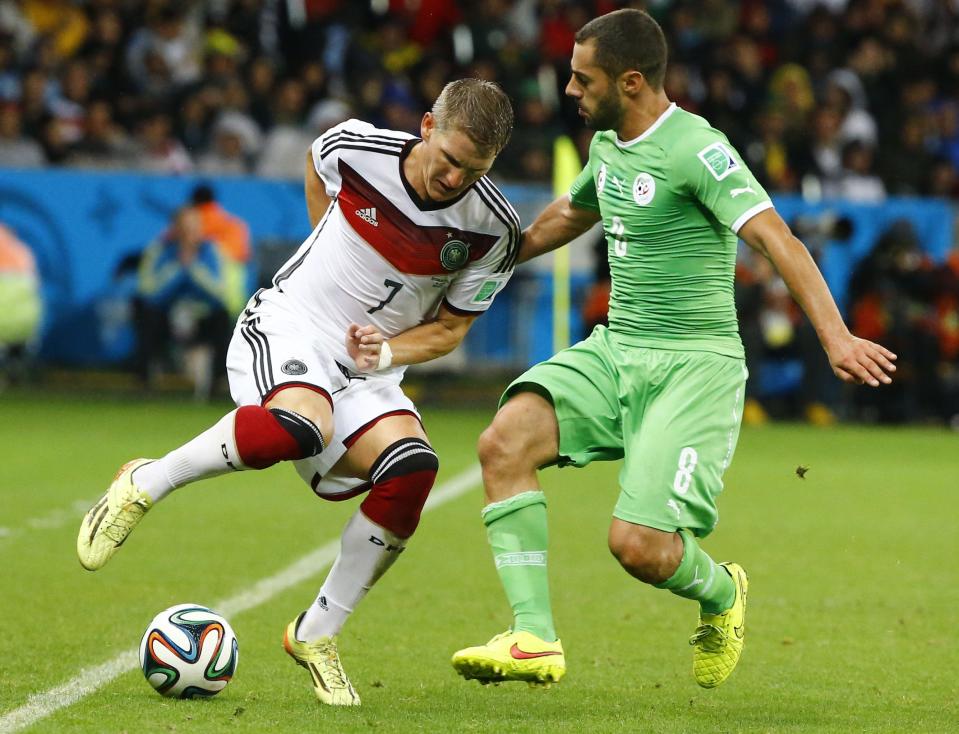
x=386, y=357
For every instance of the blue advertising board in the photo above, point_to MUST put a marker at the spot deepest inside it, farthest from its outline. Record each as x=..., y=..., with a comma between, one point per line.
x=83, y=225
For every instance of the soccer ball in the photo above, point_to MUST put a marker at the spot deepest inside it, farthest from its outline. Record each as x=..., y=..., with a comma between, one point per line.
x=188, y=651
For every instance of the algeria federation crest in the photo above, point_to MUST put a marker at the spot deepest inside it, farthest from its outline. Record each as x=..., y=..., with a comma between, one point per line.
x=601, y=179
x=454, y=254
x=644, y=189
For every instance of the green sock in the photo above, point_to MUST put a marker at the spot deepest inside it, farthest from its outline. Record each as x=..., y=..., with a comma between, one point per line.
x=516, y=528
x=699, y=577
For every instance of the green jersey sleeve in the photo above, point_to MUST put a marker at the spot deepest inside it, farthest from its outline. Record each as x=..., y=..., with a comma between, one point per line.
x=713, y=171
x=582, y=193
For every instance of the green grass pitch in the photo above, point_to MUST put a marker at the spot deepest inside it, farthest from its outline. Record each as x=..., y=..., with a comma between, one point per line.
x=853, y=620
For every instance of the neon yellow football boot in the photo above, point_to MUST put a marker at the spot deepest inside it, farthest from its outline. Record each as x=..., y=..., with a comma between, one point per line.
x=718, y=640
x=513, y=656
x=108, y=523
x=322, y=661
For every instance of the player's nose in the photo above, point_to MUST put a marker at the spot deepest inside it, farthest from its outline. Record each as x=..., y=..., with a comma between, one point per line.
x=454, y=179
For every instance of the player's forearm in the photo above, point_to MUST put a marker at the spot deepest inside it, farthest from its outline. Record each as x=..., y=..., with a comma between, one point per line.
x=558, y=224
x=804, y=280
x=426, y=342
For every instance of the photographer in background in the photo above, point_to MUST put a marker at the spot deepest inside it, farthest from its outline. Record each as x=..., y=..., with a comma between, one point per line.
x=181, y=307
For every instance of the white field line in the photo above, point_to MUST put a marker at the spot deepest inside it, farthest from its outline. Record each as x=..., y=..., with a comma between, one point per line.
x=89, y=680
x=50, y=521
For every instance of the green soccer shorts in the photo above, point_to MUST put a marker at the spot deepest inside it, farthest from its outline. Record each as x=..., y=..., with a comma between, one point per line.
x=673, y=416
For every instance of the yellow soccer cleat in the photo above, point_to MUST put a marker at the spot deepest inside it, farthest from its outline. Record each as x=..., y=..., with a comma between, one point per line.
x=513, y=656
x=108, y=523
x=718, y=640
x=322, y=661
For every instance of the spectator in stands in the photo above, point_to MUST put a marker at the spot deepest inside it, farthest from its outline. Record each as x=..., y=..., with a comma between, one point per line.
x=235, y=138
x=905, y=165
x=9, y=74
x=771, y=157
x=17, y=30
x=104, y=143
x=232, y=235
x=790, y=89
x=845, y=94
x=62, y=21
x=857, y=181
x=103, y=51
x=825, y=145
x=158, y=150
x=16, y=149
x=34, y=90
x=21, y=306
x=261, y=82
x=167, y=41
x=281, y=155
x=943, y=180
x=71, y=99
x=181, y=308
x=529, y=155
x=892, y=291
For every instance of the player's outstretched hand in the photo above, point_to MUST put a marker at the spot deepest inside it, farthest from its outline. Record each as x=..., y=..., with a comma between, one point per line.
x=862, y=361
x=363, y=344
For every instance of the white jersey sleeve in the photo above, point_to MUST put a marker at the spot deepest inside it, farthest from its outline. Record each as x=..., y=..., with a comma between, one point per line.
x=474, y=287
x=353, y=135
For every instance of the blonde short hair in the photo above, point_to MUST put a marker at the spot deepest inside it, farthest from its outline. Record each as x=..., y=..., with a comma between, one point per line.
x=478, y=108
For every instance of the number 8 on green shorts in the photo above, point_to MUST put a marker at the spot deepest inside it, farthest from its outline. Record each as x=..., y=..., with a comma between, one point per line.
x=673, y=415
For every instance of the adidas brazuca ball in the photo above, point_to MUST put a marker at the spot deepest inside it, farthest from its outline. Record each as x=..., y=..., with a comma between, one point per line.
x=188, y=651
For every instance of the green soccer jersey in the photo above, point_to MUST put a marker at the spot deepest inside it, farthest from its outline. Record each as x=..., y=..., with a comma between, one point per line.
x=671, y=201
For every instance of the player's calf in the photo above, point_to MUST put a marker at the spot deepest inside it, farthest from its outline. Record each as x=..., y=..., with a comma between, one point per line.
x=375, y=536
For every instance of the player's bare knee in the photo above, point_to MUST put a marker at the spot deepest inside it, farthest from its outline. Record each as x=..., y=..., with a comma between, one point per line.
x=645, y=557
x=494, y=450
x=509, y=445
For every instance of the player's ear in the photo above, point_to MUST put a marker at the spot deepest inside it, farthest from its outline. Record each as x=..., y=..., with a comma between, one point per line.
x=631, y=82
x=427, y=125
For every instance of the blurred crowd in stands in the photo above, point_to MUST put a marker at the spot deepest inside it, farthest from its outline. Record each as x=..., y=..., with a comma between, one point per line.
x=856, y=99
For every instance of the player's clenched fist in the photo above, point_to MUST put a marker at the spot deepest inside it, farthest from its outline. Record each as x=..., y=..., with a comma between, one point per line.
x=367, y=348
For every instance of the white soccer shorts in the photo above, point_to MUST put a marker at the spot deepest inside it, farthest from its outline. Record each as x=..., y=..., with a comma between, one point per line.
x=268, y=352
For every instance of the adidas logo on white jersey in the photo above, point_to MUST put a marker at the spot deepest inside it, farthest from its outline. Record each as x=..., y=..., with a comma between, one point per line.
x=369, y=215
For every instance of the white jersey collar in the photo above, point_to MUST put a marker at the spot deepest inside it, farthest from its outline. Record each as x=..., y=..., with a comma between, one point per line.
x=650, y=130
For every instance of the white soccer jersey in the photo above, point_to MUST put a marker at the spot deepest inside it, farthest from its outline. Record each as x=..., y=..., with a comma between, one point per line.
x=381, y=255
